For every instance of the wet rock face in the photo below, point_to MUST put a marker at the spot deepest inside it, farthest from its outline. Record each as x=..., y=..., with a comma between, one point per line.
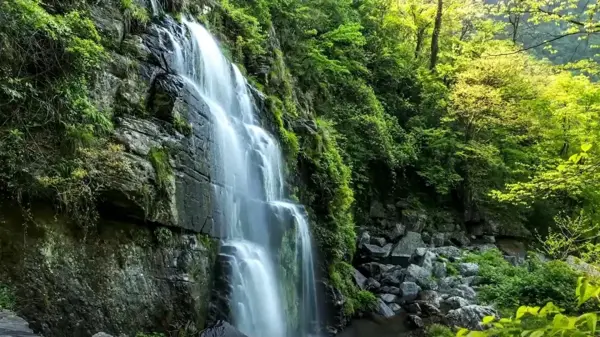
x=12, y=325
x=116, y=277
x=221, y=329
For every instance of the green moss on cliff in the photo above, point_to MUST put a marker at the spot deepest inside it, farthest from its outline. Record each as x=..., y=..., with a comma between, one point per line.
x=159, y=158
x=340, y=274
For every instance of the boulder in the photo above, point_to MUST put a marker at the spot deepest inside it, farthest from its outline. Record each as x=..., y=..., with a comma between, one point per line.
x=410, y=291
x=448, y=283
x=377, y=210
x=405, y=248
x=360, y=279
x=450, y=252
x=430, y=296
x=389, y=298
x=464, y=291
x=438, y=239
x=377, y=241
x=489, y=239
x=376, y=252
x=413, y=308
x=102, y=334
x=512, y=247
x=221, y=329
x=396, y=232
x=426, y=237
x=439, y=270
x=12, y=325
x=482, y=248
x=372, y=285
x=397, y=308
x=392, y=277
x=417, y=274
x=390, y=290
x=459, y=238
x=415, y=322
x=583, y=266
x=363, y=239
x=470, y=316
x=374, y=269
x=383, y=309
x=453, y=303
x=415, y=220
x=468, y=269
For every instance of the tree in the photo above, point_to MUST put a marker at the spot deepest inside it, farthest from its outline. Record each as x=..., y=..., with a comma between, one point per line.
x=436, y=35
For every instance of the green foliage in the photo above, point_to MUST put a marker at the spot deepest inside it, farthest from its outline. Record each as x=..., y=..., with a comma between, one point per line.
x=7, y=298
x=159, y=158
x=340, y=274
x=136, y=15
x=572, y=236
x=548, y=320
x=56, y=137
x=535, y=283
x=163, y=235
x=438, y=330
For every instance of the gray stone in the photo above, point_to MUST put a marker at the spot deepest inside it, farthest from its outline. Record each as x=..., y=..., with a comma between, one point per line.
x=221, y=329
x=410, y=291
x=489, y=239
x=417, y=274
x=430, y=296
x=390, y=290
x=482, y=248
x=12, y=325
x=426, y=237
x=454, y=302
x=448, y=283
x=360, y=279
x=383, y=309
x=462, y=290
x=396, y=232
x=372, y=285
x=377, y=210
x=102, y=334
x=438, y=239
x=363, y=239
x=468, y=269
x=392, y=277
x=470, y=316
x=583, y=266
x=378, y=241
x=377, y=252
x=374, y=269
x=413, y=308
x=448, y=252
x=397, y=308
x=415, y=322
x=459, y=238
x=415, y=220
x=389, y=298
x=405, y=248
x=439, y=270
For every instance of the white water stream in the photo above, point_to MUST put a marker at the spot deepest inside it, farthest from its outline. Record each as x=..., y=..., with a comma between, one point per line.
x=248, y=166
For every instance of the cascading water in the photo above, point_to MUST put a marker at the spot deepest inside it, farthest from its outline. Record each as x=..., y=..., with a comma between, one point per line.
x=250, y=194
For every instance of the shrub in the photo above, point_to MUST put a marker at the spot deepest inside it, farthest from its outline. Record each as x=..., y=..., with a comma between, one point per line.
x=7, y=298
x=533, y=284
x=438, y=330
x=340, y=275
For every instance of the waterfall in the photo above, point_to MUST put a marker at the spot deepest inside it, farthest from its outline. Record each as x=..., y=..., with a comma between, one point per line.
x=250, y=193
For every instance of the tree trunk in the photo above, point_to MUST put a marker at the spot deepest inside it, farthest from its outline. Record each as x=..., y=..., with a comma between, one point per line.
x=420, y=39
x=436, y=36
